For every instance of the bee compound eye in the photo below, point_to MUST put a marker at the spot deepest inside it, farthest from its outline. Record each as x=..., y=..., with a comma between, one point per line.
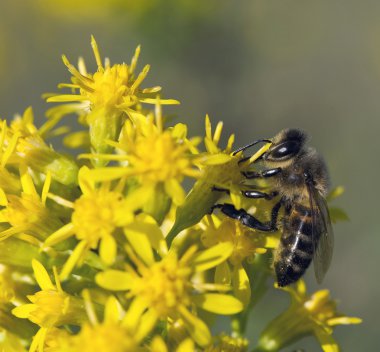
x=285, y=150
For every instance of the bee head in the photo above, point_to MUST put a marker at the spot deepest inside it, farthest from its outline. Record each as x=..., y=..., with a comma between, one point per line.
x=286, y=145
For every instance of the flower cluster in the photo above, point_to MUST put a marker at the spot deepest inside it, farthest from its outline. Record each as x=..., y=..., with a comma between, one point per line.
x=107, y=251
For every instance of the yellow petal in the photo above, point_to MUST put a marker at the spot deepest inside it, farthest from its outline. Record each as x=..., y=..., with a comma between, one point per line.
x=217, y=159
x=175, y=191
x=260, y=152
x=3, y=198
x=27, y=182
x=10, y=148
x=114, y=280
x=327, y=342
x=223, y=274
x=344, y=321
x=45, y=189
x=24, y=310
x=86, y=184
x=334, y=193
x=186, y=346
x=139, y=80
x=197, y=329
x=110, y=173
x=42, y=276
x=38, y=340
x=158, y=345
x=218, y=132
x=95, y=50
x=66, y=98
x=60, y=235
x=77, y=139
x=75, y=257
x=162, y=101
x=112, y=310
x=179, y=131
x=107, y=250
x=134, y=313
x=147, y=323
x=213, y=256
x=146, y=224
x=241, y=286
x=218, y=303
x=140, y=243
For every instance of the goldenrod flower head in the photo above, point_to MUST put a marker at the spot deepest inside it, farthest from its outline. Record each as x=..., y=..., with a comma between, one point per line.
x=10, y=342
x=158, y=345
x=166, y=287
x=97, y=213
x=106, y=97
x=108, y=335
x=226, y=343
x=219, y=169
x=101, y=337
x=7, y=292
x=246, y=243
x=50, y=307
x=110, y=87
x=309, y=315
x=27, y=213
x=22, y=143
x=153, y=155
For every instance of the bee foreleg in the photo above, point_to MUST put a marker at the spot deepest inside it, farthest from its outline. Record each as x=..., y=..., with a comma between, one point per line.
x=219, y=189
x=245, y=218
x=262, y=174
x=258, y=194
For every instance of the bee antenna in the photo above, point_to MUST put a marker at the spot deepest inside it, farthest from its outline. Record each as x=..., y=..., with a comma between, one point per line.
x=251, y=145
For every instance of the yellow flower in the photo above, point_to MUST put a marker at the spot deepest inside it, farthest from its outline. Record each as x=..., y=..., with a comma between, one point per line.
x=51, y=306
x=225, y=343
x=104, y=99
x=167, y=288
x=158, y=345
x=109, y=335
x=23, y=143
x=97, y=214
x=307, y=315
x=155, y=157
x=246, y=244
x=10, y=342
x=27, y=214
x=219, y=168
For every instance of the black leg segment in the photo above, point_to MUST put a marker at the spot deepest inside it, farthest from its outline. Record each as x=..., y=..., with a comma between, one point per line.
x=258, y=194
x=245, y=218
x=262, y=174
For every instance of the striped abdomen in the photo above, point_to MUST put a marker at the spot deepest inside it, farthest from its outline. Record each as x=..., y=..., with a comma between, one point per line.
x=295, y=251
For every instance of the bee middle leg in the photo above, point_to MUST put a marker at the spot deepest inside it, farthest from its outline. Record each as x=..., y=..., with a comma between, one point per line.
x=248, y=219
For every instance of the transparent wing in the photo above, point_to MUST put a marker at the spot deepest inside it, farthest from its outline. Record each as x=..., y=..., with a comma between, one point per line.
x=322, y=233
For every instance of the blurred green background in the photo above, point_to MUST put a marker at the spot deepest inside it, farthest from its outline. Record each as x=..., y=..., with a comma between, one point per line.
x=259, y=66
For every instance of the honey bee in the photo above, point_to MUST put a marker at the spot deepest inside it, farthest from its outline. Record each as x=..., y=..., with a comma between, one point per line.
x=299, y=182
